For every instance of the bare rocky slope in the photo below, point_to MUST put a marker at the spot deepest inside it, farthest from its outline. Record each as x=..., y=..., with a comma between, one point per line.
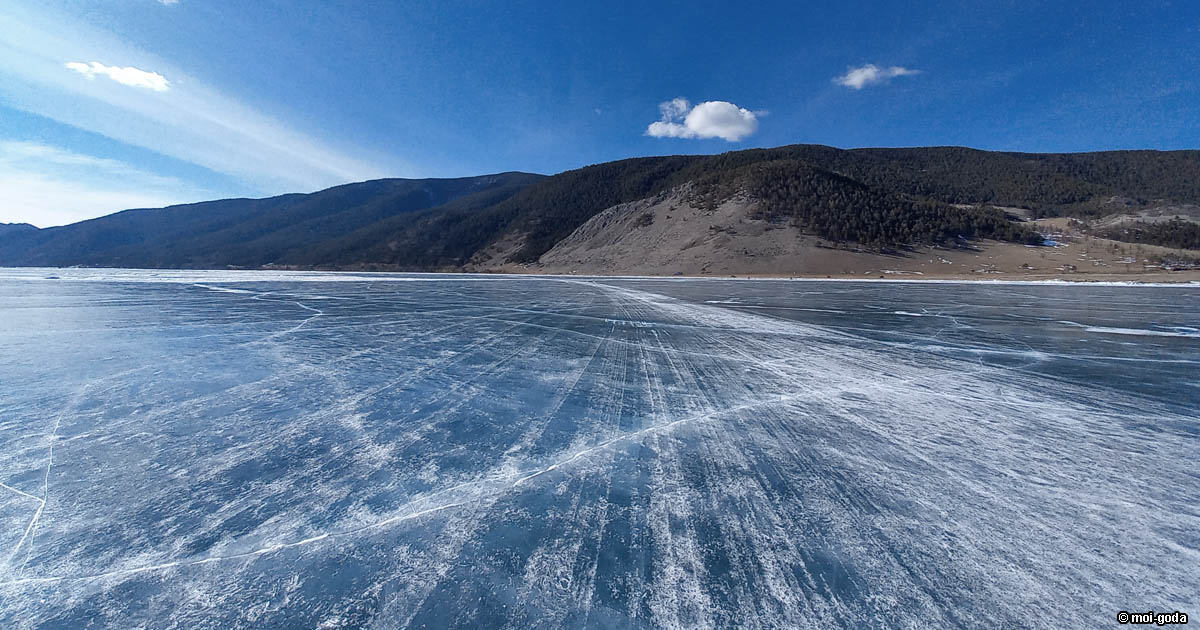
x=670, y=234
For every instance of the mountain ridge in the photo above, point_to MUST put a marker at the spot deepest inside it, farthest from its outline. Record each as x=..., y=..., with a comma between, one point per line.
x=239, y=232
x=875, y=199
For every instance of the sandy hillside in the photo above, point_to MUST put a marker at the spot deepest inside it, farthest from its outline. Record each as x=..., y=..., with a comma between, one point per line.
x=668, y=235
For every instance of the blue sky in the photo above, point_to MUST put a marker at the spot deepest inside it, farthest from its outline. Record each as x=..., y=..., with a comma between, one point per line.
x=110, y=104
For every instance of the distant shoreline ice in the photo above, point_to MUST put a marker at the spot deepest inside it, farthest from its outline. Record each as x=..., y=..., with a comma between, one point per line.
x=96, y=274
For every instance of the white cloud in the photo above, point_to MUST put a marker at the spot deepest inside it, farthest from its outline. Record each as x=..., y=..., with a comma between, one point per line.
x=168, y=2
x=130, y=76
x=674, y=109
x=870, y=74
x=48, y=186
x=710, y=119
x=190, y=121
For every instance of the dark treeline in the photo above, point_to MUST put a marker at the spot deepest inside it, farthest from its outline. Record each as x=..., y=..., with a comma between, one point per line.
x=1060, y=184
x=843, y=210
x=1175, y=233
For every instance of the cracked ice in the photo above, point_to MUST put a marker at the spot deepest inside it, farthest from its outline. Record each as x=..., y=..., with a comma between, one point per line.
x=264, y=449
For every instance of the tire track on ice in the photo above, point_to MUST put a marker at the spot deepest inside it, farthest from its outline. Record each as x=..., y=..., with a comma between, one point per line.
x=490, y=487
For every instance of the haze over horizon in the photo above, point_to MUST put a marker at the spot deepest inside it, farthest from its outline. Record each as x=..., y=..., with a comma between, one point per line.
x=106, y=105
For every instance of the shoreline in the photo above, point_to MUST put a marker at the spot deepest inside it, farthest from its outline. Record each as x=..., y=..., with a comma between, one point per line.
x=1181, y=279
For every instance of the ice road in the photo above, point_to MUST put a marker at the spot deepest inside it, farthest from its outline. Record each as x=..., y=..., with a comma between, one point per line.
x=273, y=450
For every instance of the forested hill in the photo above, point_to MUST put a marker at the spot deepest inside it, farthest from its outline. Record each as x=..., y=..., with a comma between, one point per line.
x=869, y=196
x=15, y=228
x=244, y=232
x=873, y=197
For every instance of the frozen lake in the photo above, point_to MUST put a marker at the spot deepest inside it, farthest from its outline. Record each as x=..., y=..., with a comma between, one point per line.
x=262, y=450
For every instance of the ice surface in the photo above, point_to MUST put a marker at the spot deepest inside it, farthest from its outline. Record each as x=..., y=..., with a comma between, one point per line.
x=265, y=449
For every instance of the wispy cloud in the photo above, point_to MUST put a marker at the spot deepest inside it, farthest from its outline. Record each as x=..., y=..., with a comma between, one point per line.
x=710, y=119
x=870, y=74
x=133, y=77
x=181, y=117
x=47, y=186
